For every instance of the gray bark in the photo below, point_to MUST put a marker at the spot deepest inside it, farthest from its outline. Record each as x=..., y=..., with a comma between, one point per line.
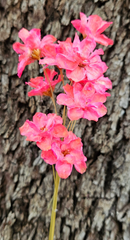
x=92, y=206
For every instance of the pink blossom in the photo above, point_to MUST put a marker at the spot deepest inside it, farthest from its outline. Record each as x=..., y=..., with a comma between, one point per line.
x=83, y=101
x=92, y=27
x=100, y=84
x=79, y=60
x=43, y=128
x=33, y=47
x=42, y=86
x=65, y=153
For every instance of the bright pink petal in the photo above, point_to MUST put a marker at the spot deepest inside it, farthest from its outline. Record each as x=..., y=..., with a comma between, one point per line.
x=59, y=131
x=53, y=119
x=49, y=157
x=35, y=93
x=63, y=99
x=56, y=147
x=76, y=144
x=80, y=166
x=23, y=34
x=76, y=42
x=34, y=82
x=47, y=39
x=98, y=97
x=101, y=110
x=36, y=32
x=69, y=90
x=78, y=26
x=48, y=50
x=88, y=89
x=75, y=113
x=102, y=39
x=22, y=65
x=90, y=114
x=48, y=61
x=95, y=53
x=45, y=143
x=102, y=84
x=70, y=137
x=63, y=169
x=33, y=41
x=40, y=120
x=83, y=18
x=63, y=62
x=19, y=47
x=94, y=23
x=69, y=159
x=30, y=131
x=93, y=71
x=87, y=46
x=77, y=75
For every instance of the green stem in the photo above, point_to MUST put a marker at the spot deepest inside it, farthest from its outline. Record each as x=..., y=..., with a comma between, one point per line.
x=54, y=206
x=53, y=169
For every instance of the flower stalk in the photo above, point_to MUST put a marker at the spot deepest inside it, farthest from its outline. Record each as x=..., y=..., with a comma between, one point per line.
x=54, y=206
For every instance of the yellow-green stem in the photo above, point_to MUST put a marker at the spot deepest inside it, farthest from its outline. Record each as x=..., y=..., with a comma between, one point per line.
x=53, y=169
x=69, y=124
x=64, y=115
x=73, y=125
x=54, y=206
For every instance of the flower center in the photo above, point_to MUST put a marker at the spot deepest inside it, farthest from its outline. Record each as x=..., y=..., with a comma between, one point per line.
x=43, y=129
x=82, y=65
x=65, y=152
x=36, y=54
x=84, y=36
x=47, y=93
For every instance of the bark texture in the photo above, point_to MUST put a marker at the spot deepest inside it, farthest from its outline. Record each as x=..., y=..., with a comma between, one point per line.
x=92, y=206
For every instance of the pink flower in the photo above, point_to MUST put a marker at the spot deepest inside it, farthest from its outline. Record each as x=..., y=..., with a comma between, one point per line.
x=43, y=129
x=83, y=101
x=100, y=84
x=65, y=153
x=42, y=86
x=33, y=47
x=79, y=60
x=92, y=27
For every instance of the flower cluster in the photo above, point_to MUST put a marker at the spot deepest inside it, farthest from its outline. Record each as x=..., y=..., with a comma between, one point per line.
x=42, y=86
x=58, y=146
x=84, y=96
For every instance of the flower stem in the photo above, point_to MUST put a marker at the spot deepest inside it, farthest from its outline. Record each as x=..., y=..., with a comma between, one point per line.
x=53, y=213
x=53, y=169
x=64, y=115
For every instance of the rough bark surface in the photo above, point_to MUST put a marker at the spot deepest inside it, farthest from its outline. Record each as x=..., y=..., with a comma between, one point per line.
x=92, y=206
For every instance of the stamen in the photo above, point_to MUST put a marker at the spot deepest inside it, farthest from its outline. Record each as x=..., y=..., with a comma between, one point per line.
x=47, y=93
x=43, y=129
x=36, y=54
x=82, y=65
x=65, y=152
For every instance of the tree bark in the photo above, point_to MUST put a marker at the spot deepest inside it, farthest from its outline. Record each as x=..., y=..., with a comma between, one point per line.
x=92, y=206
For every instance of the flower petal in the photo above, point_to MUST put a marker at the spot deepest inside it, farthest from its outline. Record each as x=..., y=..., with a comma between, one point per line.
x=49, y=157
x=63, y=169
